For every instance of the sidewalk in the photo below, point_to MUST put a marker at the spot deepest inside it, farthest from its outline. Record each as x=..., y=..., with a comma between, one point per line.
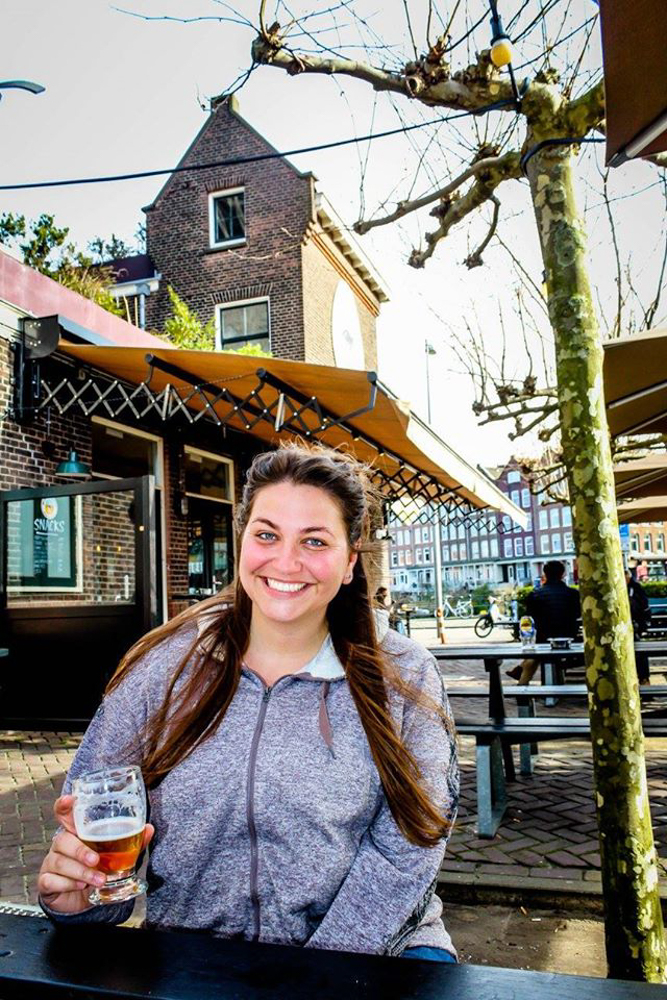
x=546, y=850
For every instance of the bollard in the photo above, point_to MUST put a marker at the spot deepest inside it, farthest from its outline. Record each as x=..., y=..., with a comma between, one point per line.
x=440, y=626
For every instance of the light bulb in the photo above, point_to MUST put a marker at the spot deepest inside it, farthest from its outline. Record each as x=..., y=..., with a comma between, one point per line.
x=501, y=51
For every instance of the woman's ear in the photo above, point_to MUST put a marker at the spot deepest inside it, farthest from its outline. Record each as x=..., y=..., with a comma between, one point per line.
x=354, y=555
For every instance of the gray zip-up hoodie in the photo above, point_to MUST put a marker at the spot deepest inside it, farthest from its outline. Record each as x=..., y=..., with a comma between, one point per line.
x=276, y=828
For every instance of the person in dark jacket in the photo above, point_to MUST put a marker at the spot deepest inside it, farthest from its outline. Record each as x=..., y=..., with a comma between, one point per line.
x=641, y=616
x=555, y=608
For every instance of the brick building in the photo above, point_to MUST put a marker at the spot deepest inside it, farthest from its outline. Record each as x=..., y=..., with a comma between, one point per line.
x=256, y=247
x=489, y=548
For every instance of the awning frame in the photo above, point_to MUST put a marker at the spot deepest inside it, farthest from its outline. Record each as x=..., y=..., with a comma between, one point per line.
x=99, y=391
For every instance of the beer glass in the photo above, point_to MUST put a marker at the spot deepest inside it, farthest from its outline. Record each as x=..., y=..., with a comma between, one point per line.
x=109, y=817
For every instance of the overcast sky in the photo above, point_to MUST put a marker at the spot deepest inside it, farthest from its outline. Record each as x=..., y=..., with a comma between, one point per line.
x=126, y=94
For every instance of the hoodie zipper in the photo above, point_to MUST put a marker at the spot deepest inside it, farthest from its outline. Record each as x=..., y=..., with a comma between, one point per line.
x=250, y=812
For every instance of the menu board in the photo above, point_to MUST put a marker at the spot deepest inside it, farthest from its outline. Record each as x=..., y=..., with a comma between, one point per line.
x=42, y=544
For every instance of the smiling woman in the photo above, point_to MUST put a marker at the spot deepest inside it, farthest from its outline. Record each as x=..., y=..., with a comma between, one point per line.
x=318, y=754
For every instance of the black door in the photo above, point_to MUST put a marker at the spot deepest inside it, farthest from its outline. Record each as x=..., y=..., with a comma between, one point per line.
x=78, y=588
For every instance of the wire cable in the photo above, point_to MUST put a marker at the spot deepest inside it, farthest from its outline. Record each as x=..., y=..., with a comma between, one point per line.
x=255, y=158
x=569, y=141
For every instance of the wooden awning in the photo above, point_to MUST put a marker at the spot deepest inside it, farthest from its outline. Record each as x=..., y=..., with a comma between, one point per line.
x=634, y=35
x=648, y=509
x=635, y=383
x=641, y=477
x=274, y=399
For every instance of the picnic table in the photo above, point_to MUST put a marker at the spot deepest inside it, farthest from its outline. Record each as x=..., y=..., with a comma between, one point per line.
x=496, y=736
x=39, y=960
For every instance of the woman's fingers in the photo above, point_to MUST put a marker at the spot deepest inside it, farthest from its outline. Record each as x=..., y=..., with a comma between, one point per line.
x=149, y=831
x=63, y=810
x=50, y=884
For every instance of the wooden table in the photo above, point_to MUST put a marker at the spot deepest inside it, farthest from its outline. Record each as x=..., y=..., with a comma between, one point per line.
x=40, y=961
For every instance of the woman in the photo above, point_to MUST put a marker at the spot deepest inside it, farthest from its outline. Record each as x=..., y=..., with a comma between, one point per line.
x=301, y=773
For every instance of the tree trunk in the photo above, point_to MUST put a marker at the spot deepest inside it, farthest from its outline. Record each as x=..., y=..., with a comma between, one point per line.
x=634, y=928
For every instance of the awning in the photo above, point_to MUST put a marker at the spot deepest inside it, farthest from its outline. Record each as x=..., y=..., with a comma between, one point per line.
x=633, y=44
x=641, y=477
x=635, y=383
x=646, y=510
x=274, y=399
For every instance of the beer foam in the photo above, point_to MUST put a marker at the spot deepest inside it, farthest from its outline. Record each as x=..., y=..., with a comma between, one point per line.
x=110, y=829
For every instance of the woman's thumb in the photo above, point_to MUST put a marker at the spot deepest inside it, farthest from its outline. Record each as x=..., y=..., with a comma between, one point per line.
x=63, y=810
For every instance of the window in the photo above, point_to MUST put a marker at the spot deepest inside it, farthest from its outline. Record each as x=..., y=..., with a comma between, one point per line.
x=507, y=548
x=567, y=517
x=568, y=544
x=485, y=550
x=394, y=559
x=243, y=323
x=554, y=517
x=226, y=216
x=507, y=522
x=515, y=496
x=544, y=518
x=529, y=522
x=462, y=531
x=455, y=552
x=462, y=552
x=408, y=557
x=660, y=543
x=556, y=545
x=445, y=553
x=514, y=476
x=517, y=526
x=518, y=547
x=647, y=543
x=418, y=555
x=494, y=548
x=427, y=555
x=426, y=537
x=474, y=550
x=401, y=558
x=544, y=545
x=634, y=541
x=530, y=547
x=525, y=498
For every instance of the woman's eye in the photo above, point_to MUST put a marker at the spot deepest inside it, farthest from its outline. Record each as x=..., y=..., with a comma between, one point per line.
x=266, y=536
x=315, y=543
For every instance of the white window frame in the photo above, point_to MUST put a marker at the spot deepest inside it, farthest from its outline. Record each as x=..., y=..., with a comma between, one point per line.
x=189, y=449
x=554, y=517
x=544, y=518
x=222, y=306
x=239, y=241
x=525, y=498
x=507, y=549
x=529, y=546
x=556, y=543
x=514, y=476
x=545, y=545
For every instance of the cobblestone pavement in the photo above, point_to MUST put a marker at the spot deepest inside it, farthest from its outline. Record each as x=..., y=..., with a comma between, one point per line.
x=548, y=837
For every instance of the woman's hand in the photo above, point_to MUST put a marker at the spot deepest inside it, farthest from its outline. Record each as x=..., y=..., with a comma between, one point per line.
x=68, y=871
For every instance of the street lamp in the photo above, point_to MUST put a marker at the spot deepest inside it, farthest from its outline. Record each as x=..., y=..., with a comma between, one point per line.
x=429, y=352
x=33, y=88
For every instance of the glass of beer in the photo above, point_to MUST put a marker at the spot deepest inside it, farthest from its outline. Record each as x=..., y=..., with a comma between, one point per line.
x=110, y=817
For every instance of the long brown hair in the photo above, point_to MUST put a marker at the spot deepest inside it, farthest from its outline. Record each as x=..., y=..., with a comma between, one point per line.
x=209, y=673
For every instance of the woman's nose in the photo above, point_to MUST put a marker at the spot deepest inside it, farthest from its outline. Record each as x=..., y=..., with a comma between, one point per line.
x=288, y=558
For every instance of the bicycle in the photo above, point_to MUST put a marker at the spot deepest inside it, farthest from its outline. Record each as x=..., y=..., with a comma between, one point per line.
x=462, y=609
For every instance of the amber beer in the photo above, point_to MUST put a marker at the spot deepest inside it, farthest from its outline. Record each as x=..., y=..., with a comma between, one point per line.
x=118, y=843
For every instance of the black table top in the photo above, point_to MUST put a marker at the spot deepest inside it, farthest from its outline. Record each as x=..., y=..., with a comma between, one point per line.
x=38, y=960
x=515, y=651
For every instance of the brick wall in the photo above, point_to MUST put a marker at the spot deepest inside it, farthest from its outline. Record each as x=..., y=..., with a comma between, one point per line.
x=278, y=202
x=323, y=268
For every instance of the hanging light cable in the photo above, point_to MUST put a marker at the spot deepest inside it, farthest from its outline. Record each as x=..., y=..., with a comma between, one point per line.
x=502, y=52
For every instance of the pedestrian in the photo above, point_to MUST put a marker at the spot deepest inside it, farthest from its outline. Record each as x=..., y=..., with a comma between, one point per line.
x=640, y=613
x=381, y=609
x=556, y=609
x=301, y=768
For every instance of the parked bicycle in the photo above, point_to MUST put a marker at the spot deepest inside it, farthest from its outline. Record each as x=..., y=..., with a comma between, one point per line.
x=462, y=608
x=488, y=620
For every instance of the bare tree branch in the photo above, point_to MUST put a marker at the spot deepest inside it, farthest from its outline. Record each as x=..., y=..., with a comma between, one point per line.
x=475, y=258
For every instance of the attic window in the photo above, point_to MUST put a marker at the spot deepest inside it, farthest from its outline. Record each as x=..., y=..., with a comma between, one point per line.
x=226, y=213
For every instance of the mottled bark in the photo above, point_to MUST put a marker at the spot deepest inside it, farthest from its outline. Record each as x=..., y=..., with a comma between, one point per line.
x=634, y=927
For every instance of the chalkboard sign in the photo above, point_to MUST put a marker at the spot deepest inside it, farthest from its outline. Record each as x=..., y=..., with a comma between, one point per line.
x=42, y=544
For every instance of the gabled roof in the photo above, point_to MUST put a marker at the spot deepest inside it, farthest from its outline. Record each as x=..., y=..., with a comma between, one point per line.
x=348, y=245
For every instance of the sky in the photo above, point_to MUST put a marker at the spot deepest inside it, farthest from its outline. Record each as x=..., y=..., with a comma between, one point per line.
x=125, y=93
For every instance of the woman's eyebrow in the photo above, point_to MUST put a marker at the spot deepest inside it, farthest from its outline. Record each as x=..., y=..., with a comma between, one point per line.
x=304, y=531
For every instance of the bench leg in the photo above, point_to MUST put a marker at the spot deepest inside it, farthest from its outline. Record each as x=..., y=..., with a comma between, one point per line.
x=526, y=750
x=550, y=677
x=491, y=792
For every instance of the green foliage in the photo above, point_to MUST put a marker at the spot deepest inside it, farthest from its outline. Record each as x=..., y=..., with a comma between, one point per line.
x=480, y=598
x=113, y=248
x=44, y=248
x=654, y=588
x=252, y=350
x=184, y=328
x=521, y=595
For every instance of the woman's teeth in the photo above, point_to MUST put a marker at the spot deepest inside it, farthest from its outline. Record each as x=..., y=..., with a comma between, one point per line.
x=288, y=588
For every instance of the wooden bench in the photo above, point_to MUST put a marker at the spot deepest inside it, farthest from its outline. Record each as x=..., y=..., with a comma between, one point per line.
x=492, y=736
